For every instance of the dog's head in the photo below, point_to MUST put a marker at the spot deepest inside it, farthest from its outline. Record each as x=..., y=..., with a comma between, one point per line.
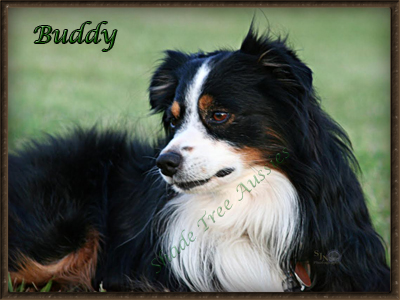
x=227, y=111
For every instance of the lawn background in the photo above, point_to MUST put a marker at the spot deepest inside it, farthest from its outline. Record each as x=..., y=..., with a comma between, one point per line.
x=53, y=87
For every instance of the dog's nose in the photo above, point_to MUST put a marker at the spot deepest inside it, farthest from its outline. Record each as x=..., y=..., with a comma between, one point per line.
x=169, y=163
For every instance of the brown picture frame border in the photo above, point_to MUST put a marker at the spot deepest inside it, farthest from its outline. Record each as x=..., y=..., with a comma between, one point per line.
x=394, y=7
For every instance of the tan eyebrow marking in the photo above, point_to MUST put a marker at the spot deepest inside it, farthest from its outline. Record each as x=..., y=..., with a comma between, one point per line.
x=205, y=102
x=175, y=109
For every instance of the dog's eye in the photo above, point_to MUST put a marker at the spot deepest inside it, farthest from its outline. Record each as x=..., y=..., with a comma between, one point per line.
x=220, y=117
x=173, y=123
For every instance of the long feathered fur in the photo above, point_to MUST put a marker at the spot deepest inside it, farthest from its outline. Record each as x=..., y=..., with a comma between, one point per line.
x=67, y=191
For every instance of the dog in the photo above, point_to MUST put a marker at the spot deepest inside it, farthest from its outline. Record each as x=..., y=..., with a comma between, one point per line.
x=253, y=188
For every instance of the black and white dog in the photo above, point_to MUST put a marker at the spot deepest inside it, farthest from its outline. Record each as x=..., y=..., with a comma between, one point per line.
x=252, y=189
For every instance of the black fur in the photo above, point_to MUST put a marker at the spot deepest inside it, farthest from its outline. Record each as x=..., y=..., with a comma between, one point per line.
x=61, y=188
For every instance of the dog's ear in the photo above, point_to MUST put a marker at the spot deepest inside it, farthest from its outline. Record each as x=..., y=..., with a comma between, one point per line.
x=165, y=80
x=275, y=56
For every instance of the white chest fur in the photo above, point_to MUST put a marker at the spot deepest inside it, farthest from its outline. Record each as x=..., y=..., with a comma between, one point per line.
x=238, y=247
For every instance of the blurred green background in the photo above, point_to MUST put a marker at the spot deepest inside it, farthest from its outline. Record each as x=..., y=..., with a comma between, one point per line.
x=53, y=87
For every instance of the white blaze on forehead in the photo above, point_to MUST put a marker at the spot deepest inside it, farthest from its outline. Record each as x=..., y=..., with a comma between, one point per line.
x=192, y=132
x=194, y=91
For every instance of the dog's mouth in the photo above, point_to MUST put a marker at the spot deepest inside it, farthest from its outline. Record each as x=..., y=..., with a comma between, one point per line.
x=192, y=184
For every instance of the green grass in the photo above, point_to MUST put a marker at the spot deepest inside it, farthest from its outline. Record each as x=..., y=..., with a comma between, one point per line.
x=13, y=287
x=52, y=87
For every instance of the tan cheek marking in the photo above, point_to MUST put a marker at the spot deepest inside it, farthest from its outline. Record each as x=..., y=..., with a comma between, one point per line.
x=253, y=157
x=76, y=268
x=175, y=109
